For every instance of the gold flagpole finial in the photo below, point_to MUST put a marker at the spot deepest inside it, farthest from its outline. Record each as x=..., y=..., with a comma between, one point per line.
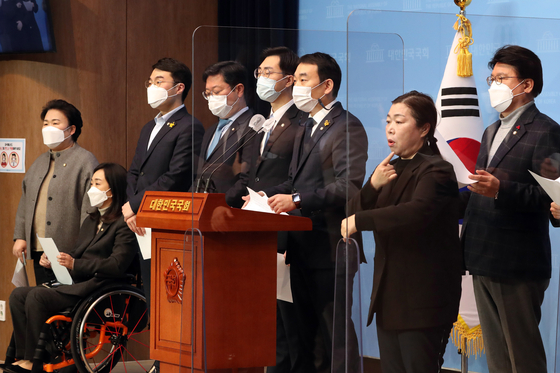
x=463, y=26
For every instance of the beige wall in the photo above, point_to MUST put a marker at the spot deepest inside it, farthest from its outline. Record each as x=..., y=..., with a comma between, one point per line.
x=105, y=52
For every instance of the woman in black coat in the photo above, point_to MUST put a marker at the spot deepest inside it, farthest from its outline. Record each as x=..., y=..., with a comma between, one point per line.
x=105, y=246
x=410, y=204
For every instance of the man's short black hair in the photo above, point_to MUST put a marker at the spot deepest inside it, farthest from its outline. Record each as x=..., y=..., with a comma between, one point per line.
x=179, y=72
x=288, y=59
x=232, y=72
x=70, y=112
x=327, y=68
x=526, y=64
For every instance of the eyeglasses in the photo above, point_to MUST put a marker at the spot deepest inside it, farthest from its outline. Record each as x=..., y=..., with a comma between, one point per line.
x=207, y=94
x=157, y=83
x=498, y=79
x=265, y=72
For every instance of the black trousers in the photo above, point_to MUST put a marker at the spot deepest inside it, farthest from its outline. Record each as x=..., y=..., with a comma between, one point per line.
x=289, y=357
x=313, y=291
x=30, y=308
x=412, y=351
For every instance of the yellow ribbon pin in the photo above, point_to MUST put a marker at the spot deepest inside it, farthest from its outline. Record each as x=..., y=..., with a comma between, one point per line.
x=171, y=125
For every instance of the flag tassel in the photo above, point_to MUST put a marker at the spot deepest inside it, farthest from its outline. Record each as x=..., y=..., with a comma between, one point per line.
x=464, y=58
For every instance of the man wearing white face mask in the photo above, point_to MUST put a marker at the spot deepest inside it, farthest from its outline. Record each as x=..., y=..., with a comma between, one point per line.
x=54, y=202
x=505, y=230
x=223, y=162
x=165, y=148
x=321, y=170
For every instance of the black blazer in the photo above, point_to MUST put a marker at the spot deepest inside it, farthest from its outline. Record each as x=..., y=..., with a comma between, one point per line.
x=110, y=252
x=167, y=165
x=508, y=237
x=273, y=166
x=230, y=175
x=418, y=264
x=321, y=176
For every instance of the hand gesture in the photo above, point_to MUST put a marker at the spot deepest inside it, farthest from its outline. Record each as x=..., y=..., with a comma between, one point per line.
x=65, y=260
x=44, y=261
x=383, y=174
x=488, y=185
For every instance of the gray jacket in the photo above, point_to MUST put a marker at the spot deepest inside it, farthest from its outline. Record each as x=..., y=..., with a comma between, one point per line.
x=68, y=200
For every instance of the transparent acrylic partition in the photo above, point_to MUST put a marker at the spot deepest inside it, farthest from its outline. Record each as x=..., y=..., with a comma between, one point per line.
x=427, y=39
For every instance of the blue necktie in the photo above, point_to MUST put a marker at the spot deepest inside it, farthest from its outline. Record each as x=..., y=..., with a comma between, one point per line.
x=221, y=124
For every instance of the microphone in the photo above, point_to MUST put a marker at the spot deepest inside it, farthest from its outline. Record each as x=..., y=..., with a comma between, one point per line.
x=256, y=124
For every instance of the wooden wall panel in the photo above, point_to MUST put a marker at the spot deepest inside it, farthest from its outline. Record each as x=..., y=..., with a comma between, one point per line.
x=105, y=50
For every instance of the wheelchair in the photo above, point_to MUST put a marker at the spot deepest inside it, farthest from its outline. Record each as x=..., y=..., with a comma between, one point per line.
x=104, y=328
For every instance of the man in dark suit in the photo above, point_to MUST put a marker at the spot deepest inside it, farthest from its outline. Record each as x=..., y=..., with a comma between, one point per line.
x=322, y=169
x=505, y=231
x=223, y=164
x=270, y=163
x=166, y=147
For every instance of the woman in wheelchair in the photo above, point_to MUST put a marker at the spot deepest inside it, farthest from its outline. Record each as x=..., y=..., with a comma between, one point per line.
x=106, y=249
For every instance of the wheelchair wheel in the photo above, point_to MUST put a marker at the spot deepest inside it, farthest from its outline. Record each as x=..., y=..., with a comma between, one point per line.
x=108, y=327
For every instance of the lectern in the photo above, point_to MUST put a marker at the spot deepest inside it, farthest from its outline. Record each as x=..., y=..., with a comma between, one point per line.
x=199, y=242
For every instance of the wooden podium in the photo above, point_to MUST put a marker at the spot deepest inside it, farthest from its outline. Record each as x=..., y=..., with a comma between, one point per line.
x=233, y=253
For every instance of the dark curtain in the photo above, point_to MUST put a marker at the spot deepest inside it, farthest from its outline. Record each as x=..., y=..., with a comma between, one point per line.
x=239, y=42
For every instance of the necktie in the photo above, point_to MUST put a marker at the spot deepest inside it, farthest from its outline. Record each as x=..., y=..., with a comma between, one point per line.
x=307, y=135
x=221, y=124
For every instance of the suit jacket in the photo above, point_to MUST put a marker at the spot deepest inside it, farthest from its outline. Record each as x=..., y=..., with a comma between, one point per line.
x=508, y=237
x=167, y=164
x=68, y=201
x=228, y=175
x=273, y=166
x=109, y=251
x=418, y=263
x=321, y=175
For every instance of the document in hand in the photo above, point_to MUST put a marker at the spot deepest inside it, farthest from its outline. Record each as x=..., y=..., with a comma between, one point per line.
x=259, y=203
x=19, y=279
x=145, y=243
x=551, y=187
x=61, y=272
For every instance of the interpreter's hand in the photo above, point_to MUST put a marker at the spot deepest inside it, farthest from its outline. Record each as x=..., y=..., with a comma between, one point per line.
x=131, y=222
x=65, y=260
x=351, y=222
x=555, y=210
x=19, y=249
x=281, y=203
x=19, y=25
x=127, y=211
x=488, y=185
x=383, y=174
x=44, y=261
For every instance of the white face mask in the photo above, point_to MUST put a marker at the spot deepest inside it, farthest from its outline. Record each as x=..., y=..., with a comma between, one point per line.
x=218, y=105
x=53, y=137
x=265, y=88
x=158, y=95
x=501, y=96
x=302, y=98
x=97, y=197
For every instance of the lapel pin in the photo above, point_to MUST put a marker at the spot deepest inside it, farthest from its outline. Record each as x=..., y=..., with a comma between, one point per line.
x=327, y=123
x=233, y=129
x=321, y=128
x=515, y=132
x=282, y=125
x=171, y=125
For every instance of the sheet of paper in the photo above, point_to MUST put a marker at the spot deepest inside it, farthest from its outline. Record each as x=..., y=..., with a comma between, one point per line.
x=551, y=187
x=61, y=272
x=145, y=243
x=259, y=203
x=283, y=287
x=461, y=172
x=20, y=275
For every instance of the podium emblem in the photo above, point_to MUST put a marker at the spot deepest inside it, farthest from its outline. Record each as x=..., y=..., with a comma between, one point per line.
x=174, y=282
